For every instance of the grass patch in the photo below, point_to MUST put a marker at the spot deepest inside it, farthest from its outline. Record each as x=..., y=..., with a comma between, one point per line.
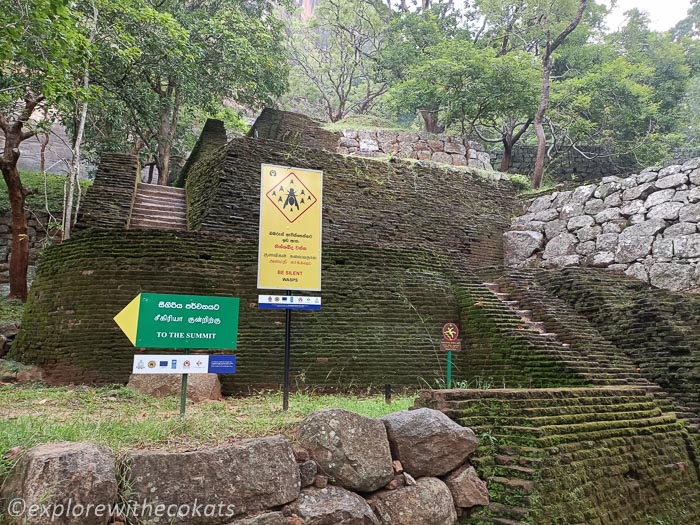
x=11, y=310
x=122, y=419
x=363, y=122
x=34, y=182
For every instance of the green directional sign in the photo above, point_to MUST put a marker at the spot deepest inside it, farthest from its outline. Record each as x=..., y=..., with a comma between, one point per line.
x=154, y=320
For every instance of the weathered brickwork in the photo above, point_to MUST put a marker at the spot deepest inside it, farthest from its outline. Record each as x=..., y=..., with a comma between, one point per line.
x=108, y=202
x=213, y=137
x=597, y=456
x=389, y=262
x=293, y=128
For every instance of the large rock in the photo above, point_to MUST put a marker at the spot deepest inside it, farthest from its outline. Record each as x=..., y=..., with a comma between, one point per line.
x=562, y=245
x=352, y=449
x=638, y=192
x=466, y=488
x=427, y=442
x=690, y=213
x=334, y=505
x=428, y=502
x=645, y=229
x=659, y=197
x=583, y=193
x=519, y=245
x=200, y=387
x=681, y=228
x=58, y=474
x=667, y=210
x=576, y=223
x=631, y=248
x=672, y=276
x=671, y=181
x=244, y=478
x=686, y=246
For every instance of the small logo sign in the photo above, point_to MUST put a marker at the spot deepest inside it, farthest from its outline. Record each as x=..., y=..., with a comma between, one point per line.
x=151, y=364
x=140, y=366
x=450, y=332
x=163, y=364
x=186, y=364
x=173, y=364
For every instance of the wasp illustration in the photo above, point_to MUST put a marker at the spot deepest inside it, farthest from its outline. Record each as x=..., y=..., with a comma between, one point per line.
x=291, y=199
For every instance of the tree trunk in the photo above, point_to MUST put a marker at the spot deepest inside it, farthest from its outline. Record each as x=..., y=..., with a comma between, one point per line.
x=19, y=254
x=169, y=113
x=430, y=123
x=547, y=66
x=539, y=124
x=507, y=155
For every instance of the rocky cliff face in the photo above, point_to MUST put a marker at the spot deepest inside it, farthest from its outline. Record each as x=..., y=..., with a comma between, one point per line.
x=645, y=225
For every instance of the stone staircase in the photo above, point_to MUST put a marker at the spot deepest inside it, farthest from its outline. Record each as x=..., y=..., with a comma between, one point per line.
x=574, y=455
x=159, y=208
x=602, y=365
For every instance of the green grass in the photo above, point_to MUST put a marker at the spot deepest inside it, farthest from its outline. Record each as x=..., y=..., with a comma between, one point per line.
x=34, y=182
x=122, y=419
x=11, y=310
x=363, y=122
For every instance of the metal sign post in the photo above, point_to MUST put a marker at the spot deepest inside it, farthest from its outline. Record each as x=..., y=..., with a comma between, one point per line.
x=289, y=245
x=450, y=343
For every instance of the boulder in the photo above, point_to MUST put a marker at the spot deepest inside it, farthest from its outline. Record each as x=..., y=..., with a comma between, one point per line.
x=695, y=177
x=428, y=502
x=607, y=215
x=629, y=182
x=561, y=198
x=681, y=228
x=670, y=171
x=672, y=276
x=467, y=489
x=638, y=271
x=545, y=215
x=573, y=209
x=686, y=246
x=690, y=213
x=613, y=200
x=541, y=203
x=606, y=189
x=519, y=245
x=586, y=248
x=267, y=518
x=583, y=193
x=671, y=181
x=659, y=197
x=632, y=208
x=667, y=210
x=562, y=245
x=694, y=195
x=632, y=248
x=603, y=259
x=352, y=449
x=533, y=226
x=554, y=228
x=245, y=478
x=200, y=387
x=588, y=233
x=662, y=250
x=638, y=192
x=594, y=206
x=692, y=164
x=427, y=442
x=60, y=474
x=334, y=505
x=644, y=229
x=581, y=221
x=607, y=242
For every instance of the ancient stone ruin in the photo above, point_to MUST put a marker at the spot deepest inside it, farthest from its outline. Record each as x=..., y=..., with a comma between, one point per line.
x=644, y=225
x=380, y=470
x=580, y=379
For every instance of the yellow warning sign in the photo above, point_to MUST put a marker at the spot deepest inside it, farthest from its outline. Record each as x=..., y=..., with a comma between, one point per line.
x=289, y=246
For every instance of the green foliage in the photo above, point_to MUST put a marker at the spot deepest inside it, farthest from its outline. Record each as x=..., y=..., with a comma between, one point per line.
x=36, y=200
x=521, y=182
x=363, y=122
x=11, y=310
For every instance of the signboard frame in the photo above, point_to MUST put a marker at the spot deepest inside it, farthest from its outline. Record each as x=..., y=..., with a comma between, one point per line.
x=288, y=286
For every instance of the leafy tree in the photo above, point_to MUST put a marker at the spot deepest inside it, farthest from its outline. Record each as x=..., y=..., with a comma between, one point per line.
x=334, y=57
x=476, y=89
x=40, y=41
x=184, y=54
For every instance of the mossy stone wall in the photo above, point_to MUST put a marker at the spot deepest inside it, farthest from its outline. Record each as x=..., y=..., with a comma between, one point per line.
x=610, y=456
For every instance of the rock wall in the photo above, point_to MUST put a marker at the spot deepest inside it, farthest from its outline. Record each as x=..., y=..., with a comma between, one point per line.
x=407, y=468
x=612, y=456
x=294, y=129
x=569, y=165
x=645, y=225
x=441, y=149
